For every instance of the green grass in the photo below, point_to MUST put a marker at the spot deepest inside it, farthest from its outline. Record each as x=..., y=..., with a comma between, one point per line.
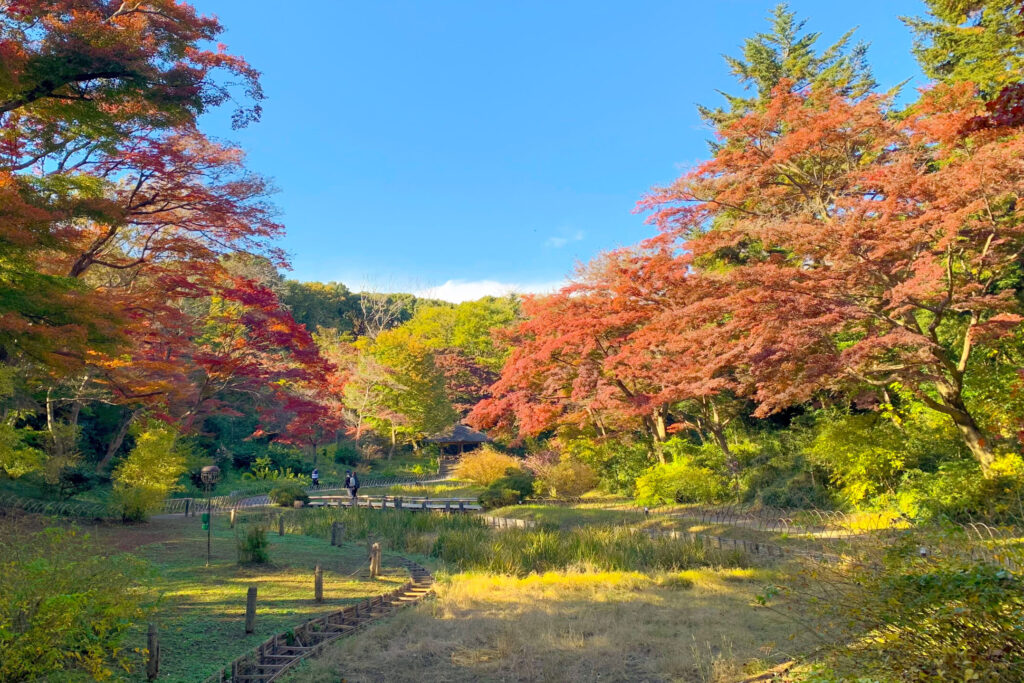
x=519, y=552
x=445, y=489
x=200, y=610
x=397, y=530
x=401, y=466
x=569, y=516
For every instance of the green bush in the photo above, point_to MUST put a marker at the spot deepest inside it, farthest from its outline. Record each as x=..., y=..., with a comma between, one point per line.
x=252, y=548
x=347, y=454
x=511, y=489
x=498, y=497
x=287, y=492
x=680, y=482
x=485, y=465
x=617, y=463
x=868, y=454
x=958, y=491
x=568, y=479
x=150, y=472
x=896, y=614
x=66, y=607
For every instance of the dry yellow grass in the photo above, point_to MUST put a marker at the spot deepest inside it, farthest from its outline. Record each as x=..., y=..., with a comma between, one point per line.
x=696, y=625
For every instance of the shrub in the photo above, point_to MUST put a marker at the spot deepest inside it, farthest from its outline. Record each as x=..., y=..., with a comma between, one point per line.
x=287, y=492
x=617, y=463
x=569, y=480
x=485, y=465
x=252, y=548
x=868, y=454
x=263, y=470
x=499, y=497
x=150, y=472
x=66, y=607
x=898, y=615
x=17, y=457
x=511, y=489
x=958, y=491
x=680, y=482
x=347, y=454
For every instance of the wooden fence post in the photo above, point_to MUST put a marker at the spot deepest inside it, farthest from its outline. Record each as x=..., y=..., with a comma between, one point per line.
x=318, y=583
x=153, y=661
x=188, y=504
x=280, y=525
x=375, y=561
x=334, y=533
x=250, y=610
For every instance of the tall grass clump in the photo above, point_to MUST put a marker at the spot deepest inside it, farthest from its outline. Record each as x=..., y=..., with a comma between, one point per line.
x=252, y=548
x=519, y=552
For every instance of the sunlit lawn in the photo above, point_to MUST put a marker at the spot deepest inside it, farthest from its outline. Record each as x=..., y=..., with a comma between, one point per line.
x=201, y=610
x=698, y=625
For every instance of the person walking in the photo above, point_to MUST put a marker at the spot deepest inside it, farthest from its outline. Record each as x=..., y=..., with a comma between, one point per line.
x=352, y=484
x=316, y=478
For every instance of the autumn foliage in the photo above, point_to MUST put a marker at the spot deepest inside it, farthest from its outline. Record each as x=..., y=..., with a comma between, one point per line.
x=129, y=241
x=829, y=247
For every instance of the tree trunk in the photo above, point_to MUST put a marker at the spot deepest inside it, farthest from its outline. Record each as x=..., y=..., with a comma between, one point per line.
x=660, y=433
x=952, y=404
x=51, y=426
x=394, y=441
x=115, y=443
x=975, y=441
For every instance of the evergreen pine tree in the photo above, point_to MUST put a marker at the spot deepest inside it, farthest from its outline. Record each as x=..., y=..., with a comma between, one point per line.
x=971, y=40
x=787, y=51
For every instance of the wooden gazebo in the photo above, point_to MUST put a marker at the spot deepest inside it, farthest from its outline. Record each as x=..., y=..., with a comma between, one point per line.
x=460, y=436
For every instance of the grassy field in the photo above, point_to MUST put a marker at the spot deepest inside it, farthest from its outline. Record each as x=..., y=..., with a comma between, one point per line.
x=696, y=625
x=200, y=610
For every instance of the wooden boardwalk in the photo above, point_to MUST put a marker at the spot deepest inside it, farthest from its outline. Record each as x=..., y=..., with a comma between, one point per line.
x=274, y=657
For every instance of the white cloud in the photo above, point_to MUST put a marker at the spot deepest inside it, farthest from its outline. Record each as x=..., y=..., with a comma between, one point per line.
x=457, y=291
x=557, y=242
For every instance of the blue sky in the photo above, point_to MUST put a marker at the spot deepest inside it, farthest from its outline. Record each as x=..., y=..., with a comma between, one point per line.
x=492, y=141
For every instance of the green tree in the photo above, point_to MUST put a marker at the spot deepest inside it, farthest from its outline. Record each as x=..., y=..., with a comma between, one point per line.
x=316, y=305
x=411, y=391
x=971, y=40
x=788, y=52
x=150, y=472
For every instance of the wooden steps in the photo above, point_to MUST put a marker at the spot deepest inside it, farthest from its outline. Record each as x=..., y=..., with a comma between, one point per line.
x=278, y=654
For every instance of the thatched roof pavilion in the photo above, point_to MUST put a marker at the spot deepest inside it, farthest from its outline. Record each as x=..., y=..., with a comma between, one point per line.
x=462, y=436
